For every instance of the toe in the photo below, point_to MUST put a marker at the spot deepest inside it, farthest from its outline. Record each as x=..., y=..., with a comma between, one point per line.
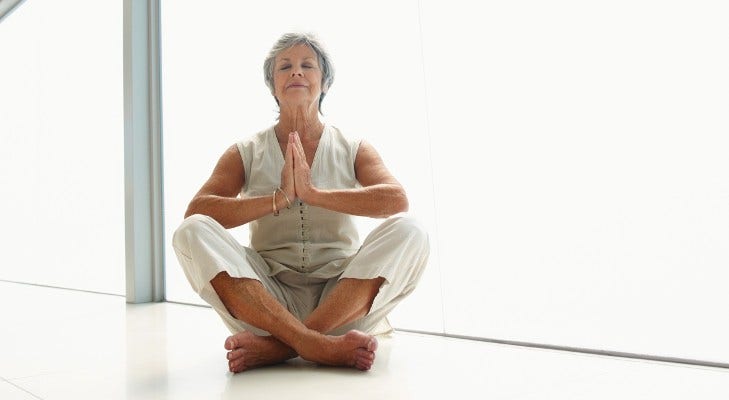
x=236, y=365
x=372, y=345
x=363, y=354
x=230, y=343
x=363, y=365
x=234, y=354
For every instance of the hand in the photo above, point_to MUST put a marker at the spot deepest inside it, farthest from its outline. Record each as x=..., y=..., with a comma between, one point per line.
x=287, y=173
x=301, y=169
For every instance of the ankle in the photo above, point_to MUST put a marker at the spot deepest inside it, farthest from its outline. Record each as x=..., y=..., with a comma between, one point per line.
x=307, y=339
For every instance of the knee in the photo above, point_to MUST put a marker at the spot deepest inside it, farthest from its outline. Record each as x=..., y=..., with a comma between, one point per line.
x=191, y=227
x=410, y=230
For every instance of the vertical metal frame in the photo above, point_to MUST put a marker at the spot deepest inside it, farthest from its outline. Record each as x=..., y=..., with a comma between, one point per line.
x=143, y=153
x=7, y=7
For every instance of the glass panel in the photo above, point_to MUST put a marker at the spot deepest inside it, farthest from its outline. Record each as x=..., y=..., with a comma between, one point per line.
x=591, y=141
x=61, y=159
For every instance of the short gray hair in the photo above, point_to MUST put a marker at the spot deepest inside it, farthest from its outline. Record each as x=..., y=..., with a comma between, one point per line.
x=292, y=39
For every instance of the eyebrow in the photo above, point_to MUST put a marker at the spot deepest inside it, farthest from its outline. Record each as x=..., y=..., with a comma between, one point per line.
x=288, y=59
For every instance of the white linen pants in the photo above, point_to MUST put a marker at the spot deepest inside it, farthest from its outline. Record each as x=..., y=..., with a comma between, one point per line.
x=397, y=250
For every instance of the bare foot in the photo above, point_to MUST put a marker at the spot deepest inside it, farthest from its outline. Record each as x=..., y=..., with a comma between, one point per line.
x=354, y=349
x=247, y=351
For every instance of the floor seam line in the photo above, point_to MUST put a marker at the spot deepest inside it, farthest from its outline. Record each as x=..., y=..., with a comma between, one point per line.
x=20, y=387
x=579, y=350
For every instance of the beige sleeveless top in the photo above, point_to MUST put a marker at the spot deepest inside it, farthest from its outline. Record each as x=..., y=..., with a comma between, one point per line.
x=303, y=238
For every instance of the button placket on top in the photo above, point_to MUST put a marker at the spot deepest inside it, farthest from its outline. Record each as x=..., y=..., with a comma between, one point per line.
x=304, y=234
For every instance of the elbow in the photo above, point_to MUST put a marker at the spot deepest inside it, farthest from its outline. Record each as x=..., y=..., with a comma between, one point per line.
x=193, y=208
x=399, y=204
x=202, y=205
x=403, y=204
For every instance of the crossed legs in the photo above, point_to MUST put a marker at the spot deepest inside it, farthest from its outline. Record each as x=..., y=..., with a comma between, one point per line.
x=396, y=250
x=247, y=300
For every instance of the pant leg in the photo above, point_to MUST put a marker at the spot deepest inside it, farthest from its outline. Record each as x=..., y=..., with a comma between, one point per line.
x=205, y=248
x=398, y=251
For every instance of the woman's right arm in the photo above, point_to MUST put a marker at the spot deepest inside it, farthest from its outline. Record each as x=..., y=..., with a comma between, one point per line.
x=218, y=197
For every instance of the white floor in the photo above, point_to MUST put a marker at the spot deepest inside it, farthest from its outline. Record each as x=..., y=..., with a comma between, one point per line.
x=63, y=344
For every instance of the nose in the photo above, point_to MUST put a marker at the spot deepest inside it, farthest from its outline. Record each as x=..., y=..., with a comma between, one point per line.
x=296, y=71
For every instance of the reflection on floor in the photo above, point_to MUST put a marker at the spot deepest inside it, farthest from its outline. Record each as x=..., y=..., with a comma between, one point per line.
x=63, y=344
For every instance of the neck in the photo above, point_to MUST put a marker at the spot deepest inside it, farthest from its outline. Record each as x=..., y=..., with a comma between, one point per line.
x=305, y=122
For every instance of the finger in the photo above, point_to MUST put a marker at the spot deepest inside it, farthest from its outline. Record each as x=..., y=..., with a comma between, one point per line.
x=297, y=144
x=290, y=153
x=299, y=147
x=287, y=174
x=293, y=145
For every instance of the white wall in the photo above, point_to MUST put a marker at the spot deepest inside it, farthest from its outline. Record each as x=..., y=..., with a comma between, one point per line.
x=591, y=140
x=61, y=149
x=578, y=189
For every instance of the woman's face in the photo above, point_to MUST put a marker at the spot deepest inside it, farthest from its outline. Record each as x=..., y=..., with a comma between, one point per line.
x=297, y=77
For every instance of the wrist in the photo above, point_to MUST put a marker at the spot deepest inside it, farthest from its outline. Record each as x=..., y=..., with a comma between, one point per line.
x=280, y=200
x=312, y=196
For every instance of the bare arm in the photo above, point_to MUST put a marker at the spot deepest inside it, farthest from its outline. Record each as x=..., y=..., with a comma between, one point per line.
x=218, y=197
x=380, y=196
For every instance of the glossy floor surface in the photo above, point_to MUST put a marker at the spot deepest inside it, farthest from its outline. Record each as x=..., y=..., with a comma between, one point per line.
x=64, y=344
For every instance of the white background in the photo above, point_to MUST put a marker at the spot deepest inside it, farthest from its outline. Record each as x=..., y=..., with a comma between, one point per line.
x=62, y=145
x=568, y=158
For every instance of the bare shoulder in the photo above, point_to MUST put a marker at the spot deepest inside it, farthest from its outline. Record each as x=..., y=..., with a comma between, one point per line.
x=228, y=176
x=370, y=167
x=366, y=151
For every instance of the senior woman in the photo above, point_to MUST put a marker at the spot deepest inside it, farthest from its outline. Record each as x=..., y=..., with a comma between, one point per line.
x=305, y=286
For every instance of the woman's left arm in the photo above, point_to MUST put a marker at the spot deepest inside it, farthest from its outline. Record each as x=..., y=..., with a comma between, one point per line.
x=380, y=196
